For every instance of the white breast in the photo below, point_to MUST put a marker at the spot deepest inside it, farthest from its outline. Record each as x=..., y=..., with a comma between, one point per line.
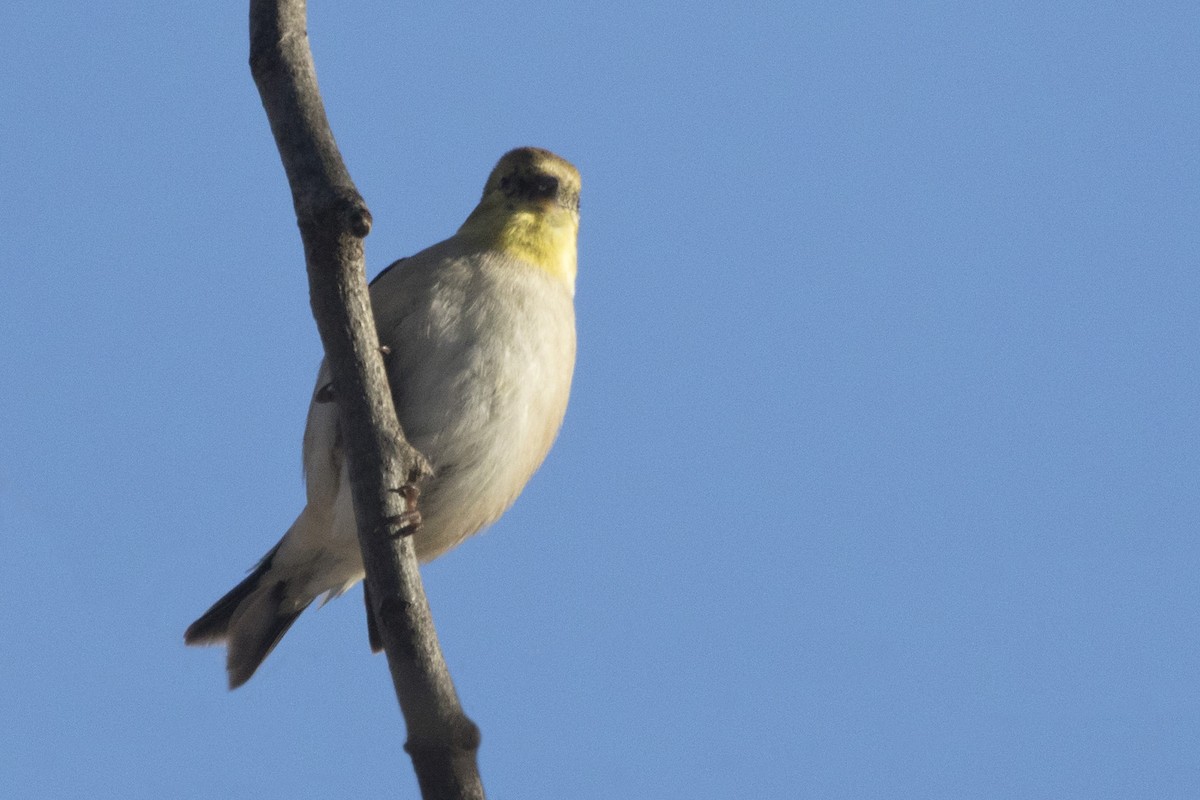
x=481, y=368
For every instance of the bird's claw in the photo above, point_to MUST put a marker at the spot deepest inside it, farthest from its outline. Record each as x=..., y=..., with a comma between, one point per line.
x=409, y=522
x=405, y=524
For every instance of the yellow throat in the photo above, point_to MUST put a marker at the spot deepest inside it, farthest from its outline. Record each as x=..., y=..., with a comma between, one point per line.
x=530, y=210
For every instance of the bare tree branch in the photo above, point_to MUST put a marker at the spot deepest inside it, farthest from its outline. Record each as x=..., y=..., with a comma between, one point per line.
x=333, y=220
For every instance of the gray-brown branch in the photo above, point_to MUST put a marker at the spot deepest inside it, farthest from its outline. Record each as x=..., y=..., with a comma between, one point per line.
x=333, y=220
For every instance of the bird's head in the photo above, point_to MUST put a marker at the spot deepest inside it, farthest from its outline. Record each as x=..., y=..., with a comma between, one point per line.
x=530, y=209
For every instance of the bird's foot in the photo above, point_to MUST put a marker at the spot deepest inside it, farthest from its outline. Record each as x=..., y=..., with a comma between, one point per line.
x=409, y=522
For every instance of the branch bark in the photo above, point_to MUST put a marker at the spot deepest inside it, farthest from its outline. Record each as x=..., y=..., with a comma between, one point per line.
x=333, y=220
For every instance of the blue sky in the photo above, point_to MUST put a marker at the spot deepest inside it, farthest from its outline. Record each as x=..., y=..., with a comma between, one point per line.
x=881, y=473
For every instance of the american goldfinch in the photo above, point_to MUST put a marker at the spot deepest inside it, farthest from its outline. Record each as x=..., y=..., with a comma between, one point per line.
x=479, y=332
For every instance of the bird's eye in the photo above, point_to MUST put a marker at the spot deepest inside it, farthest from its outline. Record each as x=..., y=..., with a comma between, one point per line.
x=545, y=186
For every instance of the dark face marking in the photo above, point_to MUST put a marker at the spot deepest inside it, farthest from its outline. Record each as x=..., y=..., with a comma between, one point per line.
x=532, y=186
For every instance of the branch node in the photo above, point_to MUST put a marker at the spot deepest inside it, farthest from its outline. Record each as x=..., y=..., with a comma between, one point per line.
x=464, y=739
x=356, y=215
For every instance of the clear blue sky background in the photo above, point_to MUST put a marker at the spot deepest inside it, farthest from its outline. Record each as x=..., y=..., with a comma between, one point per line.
x=881, y=474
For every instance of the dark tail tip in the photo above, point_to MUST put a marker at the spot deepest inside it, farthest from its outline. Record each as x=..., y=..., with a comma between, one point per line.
x=259, y=628
x=250, y=620
x=213, y=625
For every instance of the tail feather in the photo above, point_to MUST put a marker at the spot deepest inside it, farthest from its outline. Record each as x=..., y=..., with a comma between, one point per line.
x=251, y=619
x=257, y=626
x=213, y=625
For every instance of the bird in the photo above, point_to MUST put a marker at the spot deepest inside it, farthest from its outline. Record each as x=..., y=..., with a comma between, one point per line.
x=479, y=338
